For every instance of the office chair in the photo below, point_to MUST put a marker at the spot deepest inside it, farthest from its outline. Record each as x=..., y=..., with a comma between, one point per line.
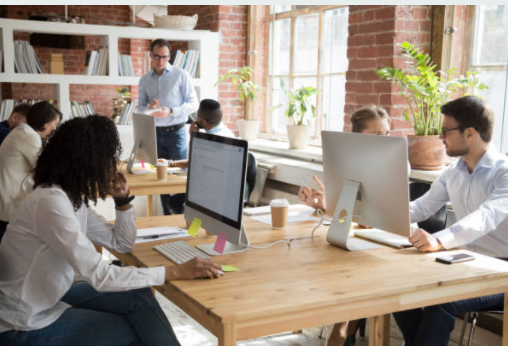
x=250, y=178
x=473, y=315
x=436, y=222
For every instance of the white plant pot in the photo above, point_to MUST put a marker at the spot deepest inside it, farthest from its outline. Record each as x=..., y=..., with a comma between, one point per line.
x=248, y=129
x=298, y=136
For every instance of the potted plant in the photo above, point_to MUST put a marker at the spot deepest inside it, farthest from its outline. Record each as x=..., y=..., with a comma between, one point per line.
x=300, y=111
x=425, y=91
x=123, y=97
x=248, y=91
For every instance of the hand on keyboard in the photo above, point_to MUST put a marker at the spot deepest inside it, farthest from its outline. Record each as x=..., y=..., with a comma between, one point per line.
x=193, y=269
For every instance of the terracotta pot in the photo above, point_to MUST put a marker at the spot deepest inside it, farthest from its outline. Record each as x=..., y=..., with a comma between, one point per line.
x=298, y=136
x=426, y=153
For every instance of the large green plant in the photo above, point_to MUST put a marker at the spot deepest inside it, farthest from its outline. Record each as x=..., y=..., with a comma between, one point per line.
x=299, y=102
x=425, y=89
x=240, y=77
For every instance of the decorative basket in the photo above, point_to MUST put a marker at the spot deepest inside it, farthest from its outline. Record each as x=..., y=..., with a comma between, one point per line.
x=176, y=22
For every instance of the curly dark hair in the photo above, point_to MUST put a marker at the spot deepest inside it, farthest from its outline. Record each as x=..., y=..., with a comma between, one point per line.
x=81, y=156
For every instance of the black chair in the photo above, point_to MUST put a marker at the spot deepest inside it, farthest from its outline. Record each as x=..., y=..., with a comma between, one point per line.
x=250, y=179
x=436, y=222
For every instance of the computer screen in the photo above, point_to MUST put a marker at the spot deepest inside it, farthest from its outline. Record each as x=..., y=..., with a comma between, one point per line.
x=379, y=165
x=216, y=183
x=145, y=140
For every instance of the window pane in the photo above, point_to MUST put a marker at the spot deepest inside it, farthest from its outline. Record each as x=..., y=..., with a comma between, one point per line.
x=301, y=82
x=334, y=35
x=278, y=120
x=495, y=97
x=280, y=8
x=306, y=44
x=279, y=49
x=491, y=35
x=334, y=91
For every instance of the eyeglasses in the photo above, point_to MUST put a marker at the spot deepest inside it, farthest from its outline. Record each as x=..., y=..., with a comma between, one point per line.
x=159, y=57
x=444, y=131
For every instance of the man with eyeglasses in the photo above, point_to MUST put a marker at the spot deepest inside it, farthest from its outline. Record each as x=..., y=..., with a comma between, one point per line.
x=477, y=187
x=169, y=90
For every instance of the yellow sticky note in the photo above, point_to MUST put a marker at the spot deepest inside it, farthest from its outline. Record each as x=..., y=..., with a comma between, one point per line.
x=227, y=268
x=194, y=227
x=152, y=167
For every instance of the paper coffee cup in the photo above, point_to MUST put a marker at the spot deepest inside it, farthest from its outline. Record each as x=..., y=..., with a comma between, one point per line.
x=162, y=170
x=279, y=208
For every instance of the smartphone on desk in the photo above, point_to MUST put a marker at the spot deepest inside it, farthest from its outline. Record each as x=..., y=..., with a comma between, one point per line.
x=457, y=258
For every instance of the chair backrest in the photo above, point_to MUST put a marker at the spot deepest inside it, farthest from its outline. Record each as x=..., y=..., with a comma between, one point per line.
x=250, y=179
x=436, y=222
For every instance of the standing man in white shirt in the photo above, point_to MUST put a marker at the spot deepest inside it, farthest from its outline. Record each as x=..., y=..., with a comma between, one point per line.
x=50, y=237
x=477, y=187
x=169, y=88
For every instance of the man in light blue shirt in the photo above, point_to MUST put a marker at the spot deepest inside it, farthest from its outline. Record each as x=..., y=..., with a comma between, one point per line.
x=169, y=88
x=477, y=187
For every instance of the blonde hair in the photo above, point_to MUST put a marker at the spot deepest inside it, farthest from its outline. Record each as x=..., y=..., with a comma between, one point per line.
x=360, y=118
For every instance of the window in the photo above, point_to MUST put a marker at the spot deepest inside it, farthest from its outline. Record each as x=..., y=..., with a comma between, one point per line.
x=307, y=47
x=490, y=55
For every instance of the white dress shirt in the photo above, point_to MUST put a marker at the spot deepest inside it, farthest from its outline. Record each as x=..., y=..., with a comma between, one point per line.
x=173, y=89
x=480, y=202
x=18, y=156
x=45, y=242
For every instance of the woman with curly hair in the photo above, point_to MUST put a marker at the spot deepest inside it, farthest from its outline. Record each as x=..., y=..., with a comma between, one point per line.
x=51, y=235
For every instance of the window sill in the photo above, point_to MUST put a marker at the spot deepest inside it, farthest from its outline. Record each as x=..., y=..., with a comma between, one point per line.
x=278, y=148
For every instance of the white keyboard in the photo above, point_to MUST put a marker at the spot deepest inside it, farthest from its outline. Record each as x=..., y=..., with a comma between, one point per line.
x=179, y=251
x=383, y=237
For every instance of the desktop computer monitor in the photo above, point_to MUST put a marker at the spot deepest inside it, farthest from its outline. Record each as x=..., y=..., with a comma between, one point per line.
x=215, y=188
x=145, y=140
x=366, y=181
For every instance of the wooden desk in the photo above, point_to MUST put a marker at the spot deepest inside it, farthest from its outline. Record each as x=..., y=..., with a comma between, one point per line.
x=313, y=283
x=148, y=184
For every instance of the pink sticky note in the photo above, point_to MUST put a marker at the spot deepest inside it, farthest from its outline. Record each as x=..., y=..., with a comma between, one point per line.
x=220, y=243
x=142, y=164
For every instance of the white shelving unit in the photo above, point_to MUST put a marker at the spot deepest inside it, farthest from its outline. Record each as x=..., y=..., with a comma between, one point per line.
x=205, y=41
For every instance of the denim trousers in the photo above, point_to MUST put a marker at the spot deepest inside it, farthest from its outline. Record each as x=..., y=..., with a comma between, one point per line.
x=432, y=325
x=172, y=145
x=3, y=226
x=124, y=318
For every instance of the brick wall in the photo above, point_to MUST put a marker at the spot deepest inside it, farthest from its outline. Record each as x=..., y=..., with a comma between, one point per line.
x=231, y=23
x=374, y=35
x=74, y=59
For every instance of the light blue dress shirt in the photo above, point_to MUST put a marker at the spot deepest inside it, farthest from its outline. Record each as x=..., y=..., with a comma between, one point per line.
x=480, y=202
x=174, y=90
x=221, y=130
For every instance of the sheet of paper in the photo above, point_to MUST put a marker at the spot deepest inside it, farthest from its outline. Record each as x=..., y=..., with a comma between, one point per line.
x=159, y=233
x=194, y=227
x=266, y=209
x=228, y=268
x=220, y=243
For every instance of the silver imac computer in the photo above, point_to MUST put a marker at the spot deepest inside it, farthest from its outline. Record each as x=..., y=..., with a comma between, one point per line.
x=215, y=188
x=366, y=181
x=145, y=140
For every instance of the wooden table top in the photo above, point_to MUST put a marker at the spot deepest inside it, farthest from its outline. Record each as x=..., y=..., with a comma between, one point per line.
x=148, y=184
x=313, y=283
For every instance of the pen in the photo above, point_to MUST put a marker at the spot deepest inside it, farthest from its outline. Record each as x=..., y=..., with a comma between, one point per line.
x=155, y=236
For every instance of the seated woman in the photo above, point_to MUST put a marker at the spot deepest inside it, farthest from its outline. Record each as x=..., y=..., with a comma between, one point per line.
x=370, y=120
x=18, y=154
x=51, y=235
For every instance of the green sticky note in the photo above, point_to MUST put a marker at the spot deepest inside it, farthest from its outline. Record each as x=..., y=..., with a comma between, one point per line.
x=152, y=167
x=194, y=227
x=227, y=268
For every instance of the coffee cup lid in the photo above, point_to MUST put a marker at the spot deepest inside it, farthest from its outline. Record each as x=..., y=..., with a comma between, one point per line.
x=279, y=202
x=161, y=164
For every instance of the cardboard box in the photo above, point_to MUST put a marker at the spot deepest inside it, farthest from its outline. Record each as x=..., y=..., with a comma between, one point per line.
x=56, y=65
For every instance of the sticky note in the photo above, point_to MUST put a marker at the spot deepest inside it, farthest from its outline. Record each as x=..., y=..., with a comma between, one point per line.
x=303, y=184
x=220, y=243
x=152, y=167
x=227, y=268
x=142, y=164
x=194, y=227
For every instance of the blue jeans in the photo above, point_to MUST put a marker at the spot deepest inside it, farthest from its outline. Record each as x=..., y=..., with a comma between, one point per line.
x=172, y=145
x=3, y=227
x=102, y=319
x=431, y=326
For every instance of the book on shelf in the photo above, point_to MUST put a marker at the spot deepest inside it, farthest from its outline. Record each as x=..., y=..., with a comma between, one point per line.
x=26, y=59
x=125, y=66
x=7, y=105
x=186, y=60
x=81, y=109
x=125, y=116
x=96, y=62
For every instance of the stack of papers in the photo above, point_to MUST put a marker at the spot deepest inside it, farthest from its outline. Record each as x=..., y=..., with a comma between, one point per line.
x=160, y=233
